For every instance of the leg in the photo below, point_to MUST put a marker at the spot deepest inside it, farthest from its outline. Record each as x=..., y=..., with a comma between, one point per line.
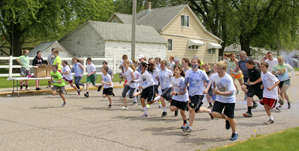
x=124, y=93
x=203, y=110
x=183, y=114
x=191, y=116
x=87, y=87
x=232, y=123
x=63, y=98
x=244, y=88
x=36, y=83
x=104, y=95
x=173, y=108
x=109, y=98
x=267, y=109
x=72, y=85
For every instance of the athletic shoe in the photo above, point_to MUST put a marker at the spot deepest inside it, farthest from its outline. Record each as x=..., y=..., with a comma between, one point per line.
x=160, y=105
x=237, y=92
x=86, y=95
x=38, y=89
x=144, y=115
x=176, y=113
x=99, y=88
x=110, y=106
x=184, y=125
x=211, y=116
x=227, y=125
x=247, y=114
x=245, y=97
x=121, y=98
x=289, y=105
x=113, y=94
x=187, y=130
x=234, y=137
x=254, y=105
x=63, y=105
x=79, y=92
x=277, y=108
x=84, y=86
x=135, y=103
x=270, y=122
x=124, y=108
x=280, y=101
x=210, y=107
x=147, y=106
x=164, y=114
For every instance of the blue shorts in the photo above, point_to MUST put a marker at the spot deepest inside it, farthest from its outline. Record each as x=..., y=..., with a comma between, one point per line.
x=214, y=97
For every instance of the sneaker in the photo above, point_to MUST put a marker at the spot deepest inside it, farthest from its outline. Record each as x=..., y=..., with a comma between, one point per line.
x=270, y=122
x=210, y=107
x=86, y=95
x=280, y=101
x=144, y=115
x=237, y=92
x=247, y=114
x=147, y=106
x=110, y=106
x=113, y=94
x=211, y=116
x=164, y=114
x=227, y=125
x=37, y=89
x=187, y=130
x=254, y=105
x=234, y=137
x=63, y=105
x=135, y=103
x=79, y=92
x=289, y=105
x=99, y=88
x=277, y=108
x=245, y=97
x=84, y=86
x=124, y=108
x=160, y=105
x=176, y=113
x=185, y=125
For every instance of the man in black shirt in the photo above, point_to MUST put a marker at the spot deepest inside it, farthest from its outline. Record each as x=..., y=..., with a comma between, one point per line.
x=254, y=85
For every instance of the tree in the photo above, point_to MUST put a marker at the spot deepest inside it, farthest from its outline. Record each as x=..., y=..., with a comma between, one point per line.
x=24, y=21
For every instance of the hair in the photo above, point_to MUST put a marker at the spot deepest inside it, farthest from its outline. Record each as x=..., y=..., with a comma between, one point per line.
x=145, y=58
x=243, y=53
x=231, y=54
x=53, y=49
x=89, y=59
x=171, y=57
x=133, y=67
x=55, y=66
x=151, y=67
x=65, y=62
x=186, y=60
x=227, y=54
x=266, y=64
x=164, y=62
x=77, y=59
x=105, y=62
x=213, y=69
x=149, y=59
x=127, y=61
x=181, y=69
x=143, y=64
x=25, y=51
x=157, y=58
x=269, y=52
x=105, y=68
x=280, y=57
x=38, y=52
x=135, y=63
x=250, y=61
x=124, y=57
x=222, y=64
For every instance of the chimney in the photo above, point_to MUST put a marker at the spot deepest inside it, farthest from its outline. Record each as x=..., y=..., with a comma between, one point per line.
x=148, y=7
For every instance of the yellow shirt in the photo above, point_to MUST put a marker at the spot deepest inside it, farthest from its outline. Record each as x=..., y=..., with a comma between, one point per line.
x=201, y=63
x=57, y=60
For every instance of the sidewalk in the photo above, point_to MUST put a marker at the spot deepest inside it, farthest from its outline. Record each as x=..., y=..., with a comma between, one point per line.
x=8, y=91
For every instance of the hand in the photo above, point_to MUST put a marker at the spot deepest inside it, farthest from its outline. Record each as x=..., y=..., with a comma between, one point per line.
x=53, y=81
x=173, y=93
x=205, y=91
x=88, y=75
x=81, y=75
x=216, y=92
x=140, y=87
x=250, y=83
x=270, y=88
x=262, y=86
x=128, y=83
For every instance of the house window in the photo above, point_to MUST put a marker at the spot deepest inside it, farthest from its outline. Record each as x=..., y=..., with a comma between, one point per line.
x=115, y=20
x=184, y=21
x=212, y=51
x=193, y=47
x=169, y=44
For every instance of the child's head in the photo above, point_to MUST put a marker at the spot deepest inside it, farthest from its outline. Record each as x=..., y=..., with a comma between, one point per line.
x=185, y=62
x=178, y=70
x=243, y=55
x=280, y=60
x=158, y=60
x=126, y=63
x=171, y=58
x=75, y=60
x=163, y=64
x=105, y=63
x=232, y=56
x=55, y=53
x=214, y=69
x=207, y=67
x=88, y=60
x=195, y=63
x=250, y=64
x=226, y=56
x=264, y=66
x=176, y=61
x=221, y=67
x=143, y=66
x=104, y=69
x=124, y=57
x=54, y=68
x=64, y=63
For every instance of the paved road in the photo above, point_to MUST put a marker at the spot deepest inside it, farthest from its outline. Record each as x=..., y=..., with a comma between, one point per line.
x=37, y=122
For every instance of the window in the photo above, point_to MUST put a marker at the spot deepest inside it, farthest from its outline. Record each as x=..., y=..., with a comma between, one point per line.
x=193, y=47
x=115, y=21
x=169, y=44
x=212, y=51
x=184, y=21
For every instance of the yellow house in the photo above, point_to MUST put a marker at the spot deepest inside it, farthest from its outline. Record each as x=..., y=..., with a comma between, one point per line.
x=178, y=25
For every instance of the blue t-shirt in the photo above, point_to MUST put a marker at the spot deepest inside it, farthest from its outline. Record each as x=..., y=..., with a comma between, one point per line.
x=77, y=69
x=196, y=82
x=164, y=78
x=242, y=65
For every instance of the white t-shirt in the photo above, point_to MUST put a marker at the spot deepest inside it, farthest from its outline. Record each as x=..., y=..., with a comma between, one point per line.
x=271, y=64
x=165, y=79
x=155, y=74
x=268, y=81
x=146, y=79
x=91, y=68
x=68, y=76
x=129, y=78
x=224, y=84
x=171, y=64
x=179, y=86
x=137, y=76
x=107, y=79
x=212, y=79
x=196, y=82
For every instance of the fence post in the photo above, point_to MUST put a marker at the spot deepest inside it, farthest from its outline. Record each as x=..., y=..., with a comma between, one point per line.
x=114, y=65
x=84, y=65
x=10, y=66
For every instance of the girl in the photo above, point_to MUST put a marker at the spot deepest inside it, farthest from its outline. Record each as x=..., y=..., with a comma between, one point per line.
x=158, y=64
x=211, y=85
x=78, y=72
x=129, y=75
x=226, y=59
x=209, y=73
x=67, y=75
x=179, y=93
x=155, y=76
x=137, y=76
x=236, y=74
x=108, y=85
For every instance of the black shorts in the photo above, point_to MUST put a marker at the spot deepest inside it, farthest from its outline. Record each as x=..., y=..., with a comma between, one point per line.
x=229, y=108
x=156, y=89
x=196, y=101
x=255, y=91
x=148, y=93
x=245, y=81
x=108, y=91
x=166, y=93
x=210, y=91
x=179, y=104
x=288, y=82
x=59, y=89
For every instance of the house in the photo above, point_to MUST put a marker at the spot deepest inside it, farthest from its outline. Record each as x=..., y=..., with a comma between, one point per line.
x=180, y=27
x=46, y=50
x=109, y=40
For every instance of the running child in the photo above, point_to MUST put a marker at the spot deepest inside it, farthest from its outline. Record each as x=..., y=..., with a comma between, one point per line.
x=78, y=72
x=236, y=74
x=209, y=89
x=209, y=73
x=67, y=75
x=108, y=85
x=270, y=93
x=59, y=83
x=224, y=106
x=91, y=76
x=128, y=74
x=137, y=76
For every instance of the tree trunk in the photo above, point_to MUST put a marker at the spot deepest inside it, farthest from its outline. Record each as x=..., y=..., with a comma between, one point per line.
x=15, y=43
x=245, y=44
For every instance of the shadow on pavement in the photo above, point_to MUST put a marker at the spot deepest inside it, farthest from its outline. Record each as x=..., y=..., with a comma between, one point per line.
x=48, y=107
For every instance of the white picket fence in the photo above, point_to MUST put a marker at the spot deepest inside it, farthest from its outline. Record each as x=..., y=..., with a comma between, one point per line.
x=11, y=66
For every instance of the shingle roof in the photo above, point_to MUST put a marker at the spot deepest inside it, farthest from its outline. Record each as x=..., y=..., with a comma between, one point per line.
x=41, y=47
x=125, y=18
x=122, y=32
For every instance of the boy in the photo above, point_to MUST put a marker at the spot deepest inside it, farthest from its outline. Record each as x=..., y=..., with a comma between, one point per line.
x=224, y=89
x=24, y=71
x=110, y=72
x=270, y=93
x=59, y=83
x=108, y=85
x=91, y=76
x=253, y=85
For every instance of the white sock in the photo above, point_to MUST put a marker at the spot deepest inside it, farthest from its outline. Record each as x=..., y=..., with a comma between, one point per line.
x=135, y=99
x=210, y=111
x=157, y=98
x=145, y=110
x=190, y=127
x=164, y=109
x=271, y=118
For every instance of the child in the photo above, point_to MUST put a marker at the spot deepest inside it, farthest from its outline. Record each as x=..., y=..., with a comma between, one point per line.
x=209, y=73
x=137, y=76
x=209, y=89
x=179, y=94
x=91, y=76
x=158, y=64
x=224, y=90
x=108, y=85
x=270, y=93
x=67, y=75
x=129, y=75
x=56, y=78
x=78, y=72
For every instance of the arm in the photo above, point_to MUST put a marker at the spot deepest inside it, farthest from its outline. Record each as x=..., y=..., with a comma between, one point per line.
x=81, y=67
x=133, y=78
x=255, y=82
x=182, y=93
x=92, y=73
x=17, y=59
x=275, y=85
x=227, y=93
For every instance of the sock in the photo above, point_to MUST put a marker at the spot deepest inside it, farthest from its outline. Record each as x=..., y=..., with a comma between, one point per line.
x=26, y=86
x=211, y=104
x=210, y=112
x=164, y=109
x=190, y=128
x=271, y=118
x=157, y=98
x=249, y=109
x=135, y=99
x=185, y=121
x=21, y=86
x=235, y=133
x=145, y=110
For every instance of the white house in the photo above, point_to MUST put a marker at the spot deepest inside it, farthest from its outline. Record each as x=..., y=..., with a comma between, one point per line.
x=46, y=49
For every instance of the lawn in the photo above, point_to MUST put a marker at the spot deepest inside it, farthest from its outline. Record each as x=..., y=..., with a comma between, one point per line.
x=286, y=140
x=296, y=69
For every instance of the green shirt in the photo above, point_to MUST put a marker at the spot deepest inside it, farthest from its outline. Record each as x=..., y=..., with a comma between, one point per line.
x=57, y=76
x=57, y=60
x=25, y=61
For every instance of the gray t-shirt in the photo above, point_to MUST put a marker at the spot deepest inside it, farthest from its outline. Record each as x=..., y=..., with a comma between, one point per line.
x=50, y=59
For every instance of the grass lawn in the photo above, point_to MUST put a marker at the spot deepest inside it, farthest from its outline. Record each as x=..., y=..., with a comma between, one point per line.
x=287, y=140
x=296, y=69
x=8, y=84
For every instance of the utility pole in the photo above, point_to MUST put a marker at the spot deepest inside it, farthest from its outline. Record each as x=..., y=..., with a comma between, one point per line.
x=133, y=30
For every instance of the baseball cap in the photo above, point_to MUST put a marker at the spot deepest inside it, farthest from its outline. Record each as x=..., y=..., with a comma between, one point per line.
x=141, y=56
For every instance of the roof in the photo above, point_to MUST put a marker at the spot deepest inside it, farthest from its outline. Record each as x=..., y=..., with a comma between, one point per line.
x=237, y=48
x=125, y=18
x=41, y=47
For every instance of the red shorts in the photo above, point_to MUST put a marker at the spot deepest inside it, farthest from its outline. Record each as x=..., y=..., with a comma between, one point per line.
x=270, y=102
x=125, y=82
x=70, y=81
